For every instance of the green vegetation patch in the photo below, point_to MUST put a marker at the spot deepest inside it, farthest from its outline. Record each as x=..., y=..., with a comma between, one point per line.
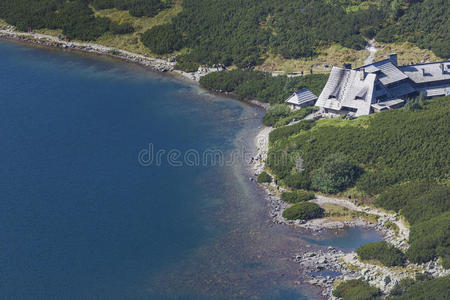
x=275, y=113
x=296, y=115
x=430, y=239
x=297, y=196
x=264, y=87
x=298, y=180
x=399, y=157
x=426, y=206
x=303, y=211
x=287, y=131
x=336, y=173
x=390, y=147
x=356, y=290
x=163, y=39
x=424, y=23
x=186, y=63
x=75, y=18
x=417, y=201
x=387, y=254
x=424, y=288
x=235, y=32
x=264, y=177
x=137, y=8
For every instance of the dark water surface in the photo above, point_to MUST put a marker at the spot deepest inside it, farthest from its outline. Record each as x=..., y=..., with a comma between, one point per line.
x=81, y=218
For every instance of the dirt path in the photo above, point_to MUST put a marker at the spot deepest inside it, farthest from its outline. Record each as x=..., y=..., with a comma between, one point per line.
x=372, y=50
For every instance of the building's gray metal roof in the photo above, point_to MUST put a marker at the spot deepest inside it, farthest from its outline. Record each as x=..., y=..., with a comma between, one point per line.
x=386, y=71
x=441, y=90
x=345, y=89
x=402, y=89
x=301, y=97
x=372, y=69
x=426, y=73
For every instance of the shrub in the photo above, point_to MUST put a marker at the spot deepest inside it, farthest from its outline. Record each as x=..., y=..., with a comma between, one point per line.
x=186, y=63
x=250, y=84
x=428, y=205
x=356, y=289
x=336, y=173
x=415, y=103
x=264, y=177
x=390, y=146
x=397, y=196
x=436, y=289
x=430, y=239
x=287, y=131
x=303, y=211
x=295, y=115
x=275, y=113
x=373, y=183
x=387, y=254
x=122, y=28
x=163, y=39
x=401, y=287
x=297, y=196
x=298, y=180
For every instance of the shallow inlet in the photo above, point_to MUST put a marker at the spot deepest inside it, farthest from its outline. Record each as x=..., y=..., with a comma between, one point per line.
x=81, y=218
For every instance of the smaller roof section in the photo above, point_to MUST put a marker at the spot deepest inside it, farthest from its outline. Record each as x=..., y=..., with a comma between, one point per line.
x=427, y=73
x=302, y=97
x=387, y=72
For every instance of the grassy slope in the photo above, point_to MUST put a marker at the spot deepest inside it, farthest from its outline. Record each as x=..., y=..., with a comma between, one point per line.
x=131, y=42
x=334, y=55
x=407, y=53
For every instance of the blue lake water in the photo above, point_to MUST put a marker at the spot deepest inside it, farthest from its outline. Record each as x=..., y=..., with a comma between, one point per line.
x=347, y=240
x=81, y=218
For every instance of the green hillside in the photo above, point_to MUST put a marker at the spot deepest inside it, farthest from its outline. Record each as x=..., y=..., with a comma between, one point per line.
x=241, y=32
x=398, y=158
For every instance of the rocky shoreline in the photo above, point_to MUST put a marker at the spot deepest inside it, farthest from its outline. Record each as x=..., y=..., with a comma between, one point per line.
x=155, y=64
x=325, y=268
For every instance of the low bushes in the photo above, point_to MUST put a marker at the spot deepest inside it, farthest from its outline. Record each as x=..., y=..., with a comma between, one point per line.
x=389, y=146
x=264, y=177
x=356, y=290
x=297, y=196
x=430, y=239
x=388, y=255
x=122, y=28
x=425, y=205
x=295, y=115
x=275, y=113
x=287, y=131
x=298, y=180
x=186, y=63
x=250, y=84
x=163, y=39
x=336, y=173
x=398, y=196
x=436, y=289
x=303, y=211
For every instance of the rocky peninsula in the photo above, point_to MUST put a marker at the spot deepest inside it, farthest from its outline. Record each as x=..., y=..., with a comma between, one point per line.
x=326, y=268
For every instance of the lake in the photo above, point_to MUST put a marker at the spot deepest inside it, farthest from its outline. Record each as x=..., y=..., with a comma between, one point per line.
x=116, y=183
